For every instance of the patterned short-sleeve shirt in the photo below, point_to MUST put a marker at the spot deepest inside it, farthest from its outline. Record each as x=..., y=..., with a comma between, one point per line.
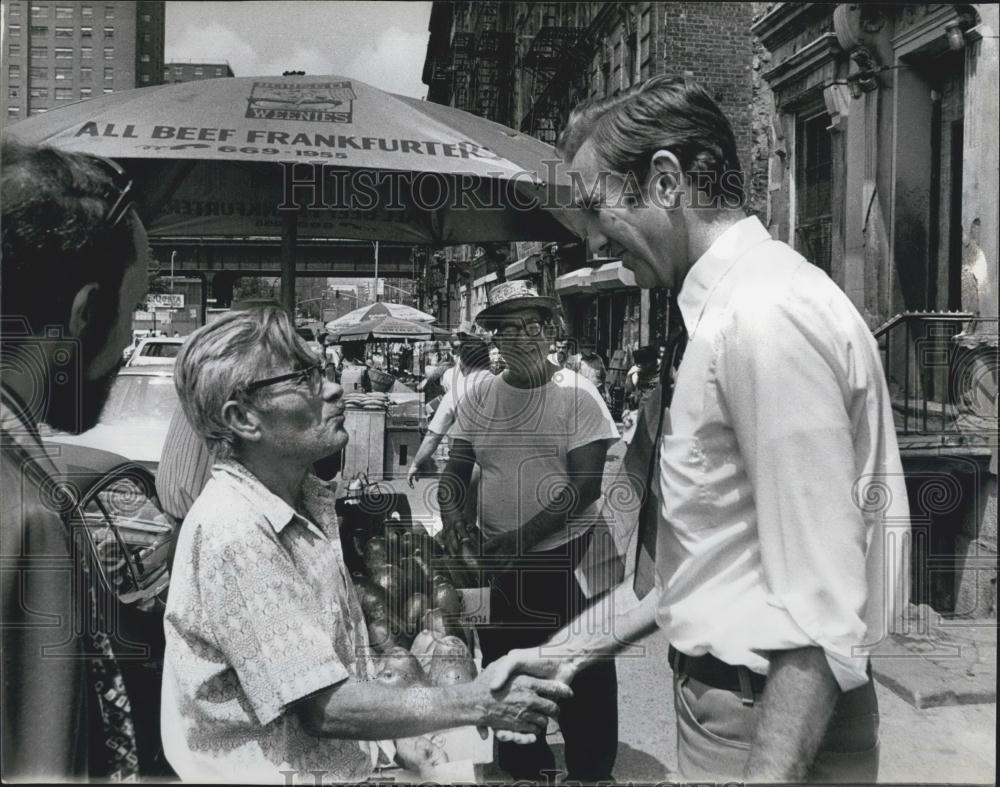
x=261, y=613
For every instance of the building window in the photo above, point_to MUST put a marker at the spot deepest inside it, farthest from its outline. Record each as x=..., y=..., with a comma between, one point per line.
x=15, y=31
x=39, y=12
x=64, y=32
x=39, y=52
x=109, y=53
x=86, y=74
x=178, y=70
x=218, y=72
x=13, y=72
x=199, y=71
x=813, y=212
x=144, y=58
x=39, y=30
x=86, y=92
x=144, y=78
x=64, y=73
x=109, y=32
x=86, y=52
x=109, y=90
x=38, y=72
x=14, y=50
x=39, y=92
x=13, y=92
x=37, y=111
x=109, y=72
x=15, y=9
x=109, y=12
x=86, y=32
x=64, y=53
x=64, y=94
x=144, y=17
x=13, y=112
x=64, y=12
x=87, y=10
x=166, y=75
x=146, y=38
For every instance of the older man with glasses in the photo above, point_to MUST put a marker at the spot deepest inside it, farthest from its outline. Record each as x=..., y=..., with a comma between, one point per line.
x=268, y=672
x=540, y=434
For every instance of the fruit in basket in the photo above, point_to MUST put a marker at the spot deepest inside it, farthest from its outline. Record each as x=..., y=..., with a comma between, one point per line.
x=400, y=668
x=454, y=672
x=371, y=596
x=413, y=578
x=379, y=635
x=376, y=551
x=446, y=599
x=386, y=576
x=413, y=612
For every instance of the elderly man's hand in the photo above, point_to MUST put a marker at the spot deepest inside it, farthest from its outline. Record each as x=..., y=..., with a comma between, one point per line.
x=522, y=704
x=421, y=754
x=529, y=661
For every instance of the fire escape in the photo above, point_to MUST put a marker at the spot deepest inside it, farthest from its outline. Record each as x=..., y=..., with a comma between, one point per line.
x=493, y=66
x=550, y=61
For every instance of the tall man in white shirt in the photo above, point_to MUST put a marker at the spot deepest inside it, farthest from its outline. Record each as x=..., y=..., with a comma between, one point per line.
x=779, y=559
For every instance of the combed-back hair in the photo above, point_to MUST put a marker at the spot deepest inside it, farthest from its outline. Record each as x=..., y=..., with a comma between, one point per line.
x=221, y=359
x=55, y=240
x=661, y=113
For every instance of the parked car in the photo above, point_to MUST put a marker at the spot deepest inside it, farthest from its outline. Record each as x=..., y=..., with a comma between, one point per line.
x=135, y=419
x=133, y=542
x=156, y=350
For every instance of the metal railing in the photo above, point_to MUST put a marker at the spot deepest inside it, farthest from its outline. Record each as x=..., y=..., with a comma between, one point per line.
x=941, y=370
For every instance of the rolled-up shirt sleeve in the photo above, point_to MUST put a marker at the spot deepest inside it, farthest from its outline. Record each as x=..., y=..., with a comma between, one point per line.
x=784, y=372
x=267, y=622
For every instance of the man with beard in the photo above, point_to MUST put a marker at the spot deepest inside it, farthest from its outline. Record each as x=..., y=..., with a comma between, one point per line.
x=74, y=268
x=540, y=434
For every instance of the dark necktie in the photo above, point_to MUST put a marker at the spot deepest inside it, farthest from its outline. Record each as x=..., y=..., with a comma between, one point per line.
x=649, y=428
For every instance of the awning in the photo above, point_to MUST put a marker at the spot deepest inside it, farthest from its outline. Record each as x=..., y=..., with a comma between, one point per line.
x=576, y=282
x=609, y=276
x=524, y=267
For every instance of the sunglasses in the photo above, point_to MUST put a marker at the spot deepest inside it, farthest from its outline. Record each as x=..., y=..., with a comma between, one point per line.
x=119, y=195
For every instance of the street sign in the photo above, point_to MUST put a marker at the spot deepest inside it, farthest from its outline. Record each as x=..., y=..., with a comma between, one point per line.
x=165, y=300
x=380, y=286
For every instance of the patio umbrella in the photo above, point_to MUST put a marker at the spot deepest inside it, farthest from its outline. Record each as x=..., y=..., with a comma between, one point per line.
x=213, y=158
x=380, y=309
x=385, y=327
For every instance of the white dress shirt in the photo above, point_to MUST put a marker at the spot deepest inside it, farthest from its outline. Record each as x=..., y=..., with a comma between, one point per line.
x=783, y=500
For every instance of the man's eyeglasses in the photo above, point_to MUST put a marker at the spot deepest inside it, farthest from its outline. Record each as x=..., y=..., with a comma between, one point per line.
x=530, y=328
x=119, y=195
x=313, y=375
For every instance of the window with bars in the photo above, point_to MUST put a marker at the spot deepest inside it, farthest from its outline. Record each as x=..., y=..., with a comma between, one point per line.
x=813, y=177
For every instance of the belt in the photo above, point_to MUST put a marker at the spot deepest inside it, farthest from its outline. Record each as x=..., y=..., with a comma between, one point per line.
x=711, y=671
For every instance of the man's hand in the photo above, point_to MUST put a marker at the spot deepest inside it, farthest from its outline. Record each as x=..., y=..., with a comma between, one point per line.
x=413, y=474
x=523, y=704
x=531, y=661
x=452, y=534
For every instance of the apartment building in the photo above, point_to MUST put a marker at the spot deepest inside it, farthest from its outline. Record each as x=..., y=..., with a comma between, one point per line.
x=58, y=52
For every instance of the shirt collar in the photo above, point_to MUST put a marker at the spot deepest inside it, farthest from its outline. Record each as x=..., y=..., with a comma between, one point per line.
x=714, y=264
x=275, y=510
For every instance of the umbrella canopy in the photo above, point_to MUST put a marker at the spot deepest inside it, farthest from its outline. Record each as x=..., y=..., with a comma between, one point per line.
x=380, y=309
x=215, y=158
x=385, y=327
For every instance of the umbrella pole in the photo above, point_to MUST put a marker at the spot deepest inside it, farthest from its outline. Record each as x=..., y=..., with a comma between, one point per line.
x=289, y=233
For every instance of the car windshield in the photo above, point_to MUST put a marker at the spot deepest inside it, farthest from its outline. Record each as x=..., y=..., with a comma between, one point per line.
x=161, y=350
x=140, y=398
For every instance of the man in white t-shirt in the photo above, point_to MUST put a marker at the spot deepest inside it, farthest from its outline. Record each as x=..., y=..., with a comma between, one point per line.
x=540, y=434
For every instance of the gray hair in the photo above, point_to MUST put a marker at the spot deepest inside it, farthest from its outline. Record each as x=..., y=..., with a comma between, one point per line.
x=221, y=359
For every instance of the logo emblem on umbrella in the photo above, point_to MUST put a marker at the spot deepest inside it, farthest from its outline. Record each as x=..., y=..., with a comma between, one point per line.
x=318, y=102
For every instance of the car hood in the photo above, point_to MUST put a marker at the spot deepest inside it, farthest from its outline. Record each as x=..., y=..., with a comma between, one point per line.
x=140, y=443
